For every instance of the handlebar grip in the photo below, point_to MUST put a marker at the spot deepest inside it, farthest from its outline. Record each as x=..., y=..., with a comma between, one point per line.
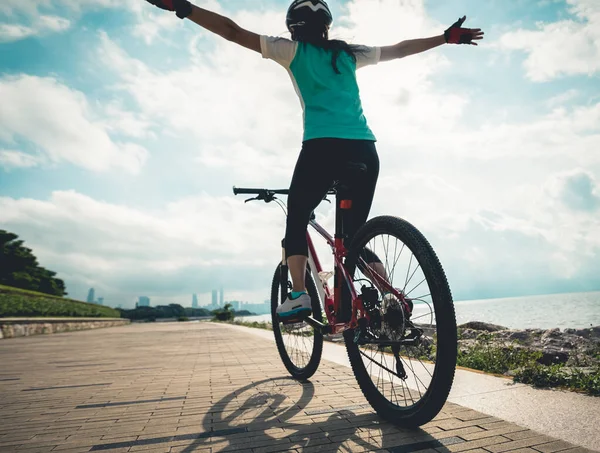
x=237, y=191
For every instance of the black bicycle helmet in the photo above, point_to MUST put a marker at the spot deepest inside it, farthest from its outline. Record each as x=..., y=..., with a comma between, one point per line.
x=308, y=12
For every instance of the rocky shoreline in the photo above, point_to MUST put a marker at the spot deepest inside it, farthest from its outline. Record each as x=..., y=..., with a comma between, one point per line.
x=571, y=347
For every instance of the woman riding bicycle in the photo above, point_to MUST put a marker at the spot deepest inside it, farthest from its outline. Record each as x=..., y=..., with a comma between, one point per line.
x=336, y=132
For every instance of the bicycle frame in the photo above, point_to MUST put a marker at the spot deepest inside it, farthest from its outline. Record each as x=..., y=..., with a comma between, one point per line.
x=332, y=302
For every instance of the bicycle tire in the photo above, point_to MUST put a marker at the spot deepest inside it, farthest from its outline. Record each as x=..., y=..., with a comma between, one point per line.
x=306, y=371
x=443, y=375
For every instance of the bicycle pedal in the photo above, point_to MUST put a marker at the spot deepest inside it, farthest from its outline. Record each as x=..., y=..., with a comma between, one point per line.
x=294, y=320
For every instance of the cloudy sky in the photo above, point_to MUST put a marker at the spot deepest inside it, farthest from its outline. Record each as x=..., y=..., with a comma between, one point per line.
x=123, y=129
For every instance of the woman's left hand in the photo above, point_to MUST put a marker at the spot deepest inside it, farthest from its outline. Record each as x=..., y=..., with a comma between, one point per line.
x=457, y=35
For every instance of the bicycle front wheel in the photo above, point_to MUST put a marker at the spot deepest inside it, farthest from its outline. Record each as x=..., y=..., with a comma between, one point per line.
x=404, y=360
x=299, y=345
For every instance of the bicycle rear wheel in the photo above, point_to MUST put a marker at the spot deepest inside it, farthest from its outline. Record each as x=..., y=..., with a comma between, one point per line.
x=299, y=345
x=405, y=383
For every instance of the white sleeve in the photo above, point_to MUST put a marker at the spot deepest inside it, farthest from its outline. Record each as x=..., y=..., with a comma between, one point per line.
x=280, y=50
x=367, y=56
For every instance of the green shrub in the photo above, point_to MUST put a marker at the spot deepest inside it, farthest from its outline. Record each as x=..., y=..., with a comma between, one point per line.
x=183, y=319
x=523, y=363
x=255, y=324
x=20, y=303
x=561, y=376
x=486, y=356
x=224, y=314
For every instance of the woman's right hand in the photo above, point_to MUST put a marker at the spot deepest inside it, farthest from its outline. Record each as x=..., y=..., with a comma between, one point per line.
x=182, y=8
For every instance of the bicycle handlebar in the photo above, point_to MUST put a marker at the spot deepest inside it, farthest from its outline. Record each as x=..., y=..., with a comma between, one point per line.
x=245, y=191
x=267, y=195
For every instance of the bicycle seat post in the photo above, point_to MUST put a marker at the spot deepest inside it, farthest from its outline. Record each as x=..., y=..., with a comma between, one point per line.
x=350, y=173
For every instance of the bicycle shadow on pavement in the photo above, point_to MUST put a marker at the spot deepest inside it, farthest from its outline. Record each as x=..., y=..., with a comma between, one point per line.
x=277, y=412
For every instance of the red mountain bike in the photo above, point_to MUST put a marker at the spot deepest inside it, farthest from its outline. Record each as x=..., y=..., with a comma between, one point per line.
x=390, y=300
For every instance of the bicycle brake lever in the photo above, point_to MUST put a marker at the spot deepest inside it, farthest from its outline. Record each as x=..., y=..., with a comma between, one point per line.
x=251, y=199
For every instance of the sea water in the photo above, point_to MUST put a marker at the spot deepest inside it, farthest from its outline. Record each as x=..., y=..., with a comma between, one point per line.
x=572, y=310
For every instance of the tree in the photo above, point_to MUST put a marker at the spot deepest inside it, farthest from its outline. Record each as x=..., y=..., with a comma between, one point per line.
x=225, y=313
x=20, y=268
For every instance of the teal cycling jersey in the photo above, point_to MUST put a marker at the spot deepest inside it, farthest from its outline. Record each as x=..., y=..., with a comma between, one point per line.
x=330, y=101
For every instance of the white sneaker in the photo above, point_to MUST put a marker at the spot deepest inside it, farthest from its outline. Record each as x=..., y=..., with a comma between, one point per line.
x=301, y=306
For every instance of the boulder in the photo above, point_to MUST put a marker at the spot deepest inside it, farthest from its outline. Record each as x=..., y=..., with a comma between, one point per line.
x=469, y=334
x=478, y=325
x=552, y=356
x=573, y=347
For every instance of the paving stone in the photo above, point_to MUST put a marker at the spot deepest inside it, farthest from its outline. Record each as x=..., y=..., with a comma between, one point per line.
x=479, y=443
x=506, y=431
x=578, y=450
x=552, y=447
x=529, y=442
x=230, y=400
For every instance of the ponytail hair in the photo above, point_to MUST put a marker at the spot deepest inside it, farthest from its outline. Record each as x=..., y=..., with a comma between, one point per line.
x=319, y=37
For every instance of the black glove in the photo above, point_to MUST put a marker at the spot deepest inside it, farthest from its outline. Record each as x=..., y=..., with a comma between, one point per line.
x=182, y=8
x=457, y=35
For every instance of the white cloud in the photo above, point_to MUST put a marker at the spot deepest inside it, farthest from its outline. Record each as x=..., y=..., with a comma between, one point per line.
x=32, y=20
x=34, y=7
x=42, y=25
x=562, y=98
x=151, y=21
x=17, y=159
x=565, y=47
x=577, y=189
x=191, y=245
x=10, y=32
x=60, y=122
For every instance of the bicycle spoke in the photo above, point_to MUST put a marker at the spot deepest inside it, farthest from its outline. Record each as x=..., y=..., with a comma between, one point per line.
x=411, y=276
x=297, y=342
x=381, y=364
x=418, y=284
x=397, y=257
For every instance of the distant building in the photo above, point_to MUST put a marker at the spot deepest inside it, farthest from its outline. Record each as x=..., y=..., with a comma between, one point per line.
x=100, y=301
x=259, y=309
x=91, y=295
x=235, y=304
x=221, y=297
x=194, y=301
x=143, y=301
x=214, y=298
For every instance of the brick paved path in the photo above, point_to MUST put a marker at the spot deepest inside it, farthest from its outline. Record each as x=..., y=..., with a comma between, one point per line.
x=200, y=387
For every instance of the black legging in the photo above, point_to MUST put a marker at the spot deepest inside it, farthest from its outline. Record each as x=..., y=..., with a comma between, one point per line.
x=318, y=166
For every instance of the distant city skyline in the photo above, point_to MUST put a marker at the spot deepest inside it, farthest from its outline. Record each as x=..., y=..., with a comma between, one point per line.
x=143, y=301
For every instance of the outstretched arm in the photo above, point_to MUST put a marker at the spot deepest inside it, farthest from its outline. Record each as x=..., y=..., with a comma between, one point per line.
x=225, y=27
x=410, y=47
x=453, y=35
x=221, y=25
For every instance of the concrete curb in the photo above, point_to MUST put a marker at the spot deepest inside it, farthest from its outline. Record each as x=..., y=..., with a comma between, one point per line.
x=24, y=327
